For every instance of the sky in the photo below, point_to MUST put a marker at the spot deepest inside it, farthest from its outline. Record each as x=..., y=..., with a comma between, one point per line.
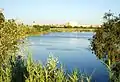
x=59, y=11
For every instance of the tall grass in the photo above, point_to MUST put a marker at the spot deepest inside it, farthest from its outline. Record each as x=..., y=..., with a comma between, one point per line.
x=18, y=69
x=113, y=71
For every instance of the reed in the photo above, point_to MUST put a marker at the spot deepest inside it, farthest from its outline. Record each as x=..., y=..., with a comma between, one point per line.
x=17, y=69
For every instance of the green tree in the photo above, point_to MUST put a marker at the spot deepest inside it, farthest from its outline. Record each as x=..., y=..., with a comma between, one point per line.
x=11, y=36
x=106, y=42
x=2, y=18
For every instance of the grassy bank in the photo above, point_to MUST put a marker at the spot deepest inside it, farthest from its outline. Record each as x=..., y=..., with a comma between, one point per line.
x=38, y=30
x=72, y=29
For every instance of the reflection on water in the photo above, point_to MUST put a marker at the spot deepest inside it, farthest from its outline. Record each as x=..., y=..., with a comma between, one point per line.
x=73, y=51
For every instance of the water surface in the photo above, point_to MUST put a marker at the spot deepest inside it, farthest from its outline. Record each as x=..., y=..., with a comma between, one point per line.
x=72, y=50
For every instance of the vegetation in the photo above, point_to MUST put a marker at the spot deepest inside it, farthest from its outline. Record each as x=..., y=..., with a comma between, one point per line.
x=11, y=36
x=106, y=45
x=27, y=70
x=64, y=28
x=14, y=68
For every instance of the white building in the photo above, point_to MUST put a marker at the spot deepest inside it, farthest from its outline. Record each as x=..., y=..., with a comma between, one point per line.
x=72, y=24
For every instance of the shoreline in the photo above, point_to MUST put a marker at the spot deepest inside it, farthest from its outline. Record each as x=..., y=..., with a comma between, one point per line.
x=62, y=30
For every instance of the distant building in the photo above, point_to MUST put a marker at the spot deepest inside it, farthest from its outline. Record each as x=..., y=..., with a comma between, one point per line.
x=72, y=24
x=83, y=25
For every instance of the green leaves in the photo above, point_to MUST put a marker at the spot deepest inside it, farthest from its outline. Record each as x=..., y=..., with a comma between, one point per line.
x=10, y=35
x=106, y=42
x=51, y=72
x=107, y=39
x=2, y=18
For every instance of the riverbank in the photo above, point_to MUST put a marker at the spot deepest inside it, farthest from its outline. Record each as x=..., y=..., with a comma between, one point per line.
x=72, y=29
x=62, y=30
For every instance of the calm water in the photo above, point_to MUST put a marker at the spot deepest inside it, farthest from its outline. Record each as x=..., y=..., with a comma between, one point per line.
x=72, y=50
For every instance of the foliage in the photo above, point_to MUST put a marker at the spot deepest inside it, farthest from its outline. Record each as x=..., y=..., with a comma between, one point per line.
x=62, y=28
x=41, y=28
x=106, y=42
x=2, y=18
x=14, y=68
x=11, y=36
x=116, y=72
x=18, y=69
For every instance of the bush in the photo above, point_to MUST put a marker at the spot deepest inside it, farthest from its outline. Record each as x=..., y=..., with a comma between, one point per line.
x=106, y=43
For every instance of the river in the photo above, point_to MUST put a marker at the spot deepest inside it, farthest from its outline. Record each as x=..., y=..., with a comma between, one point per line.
x=72, y=50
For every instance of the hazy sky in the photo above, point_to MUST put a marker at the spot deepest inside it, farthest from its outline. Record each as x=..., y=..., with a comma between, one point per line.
x=59, y=11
